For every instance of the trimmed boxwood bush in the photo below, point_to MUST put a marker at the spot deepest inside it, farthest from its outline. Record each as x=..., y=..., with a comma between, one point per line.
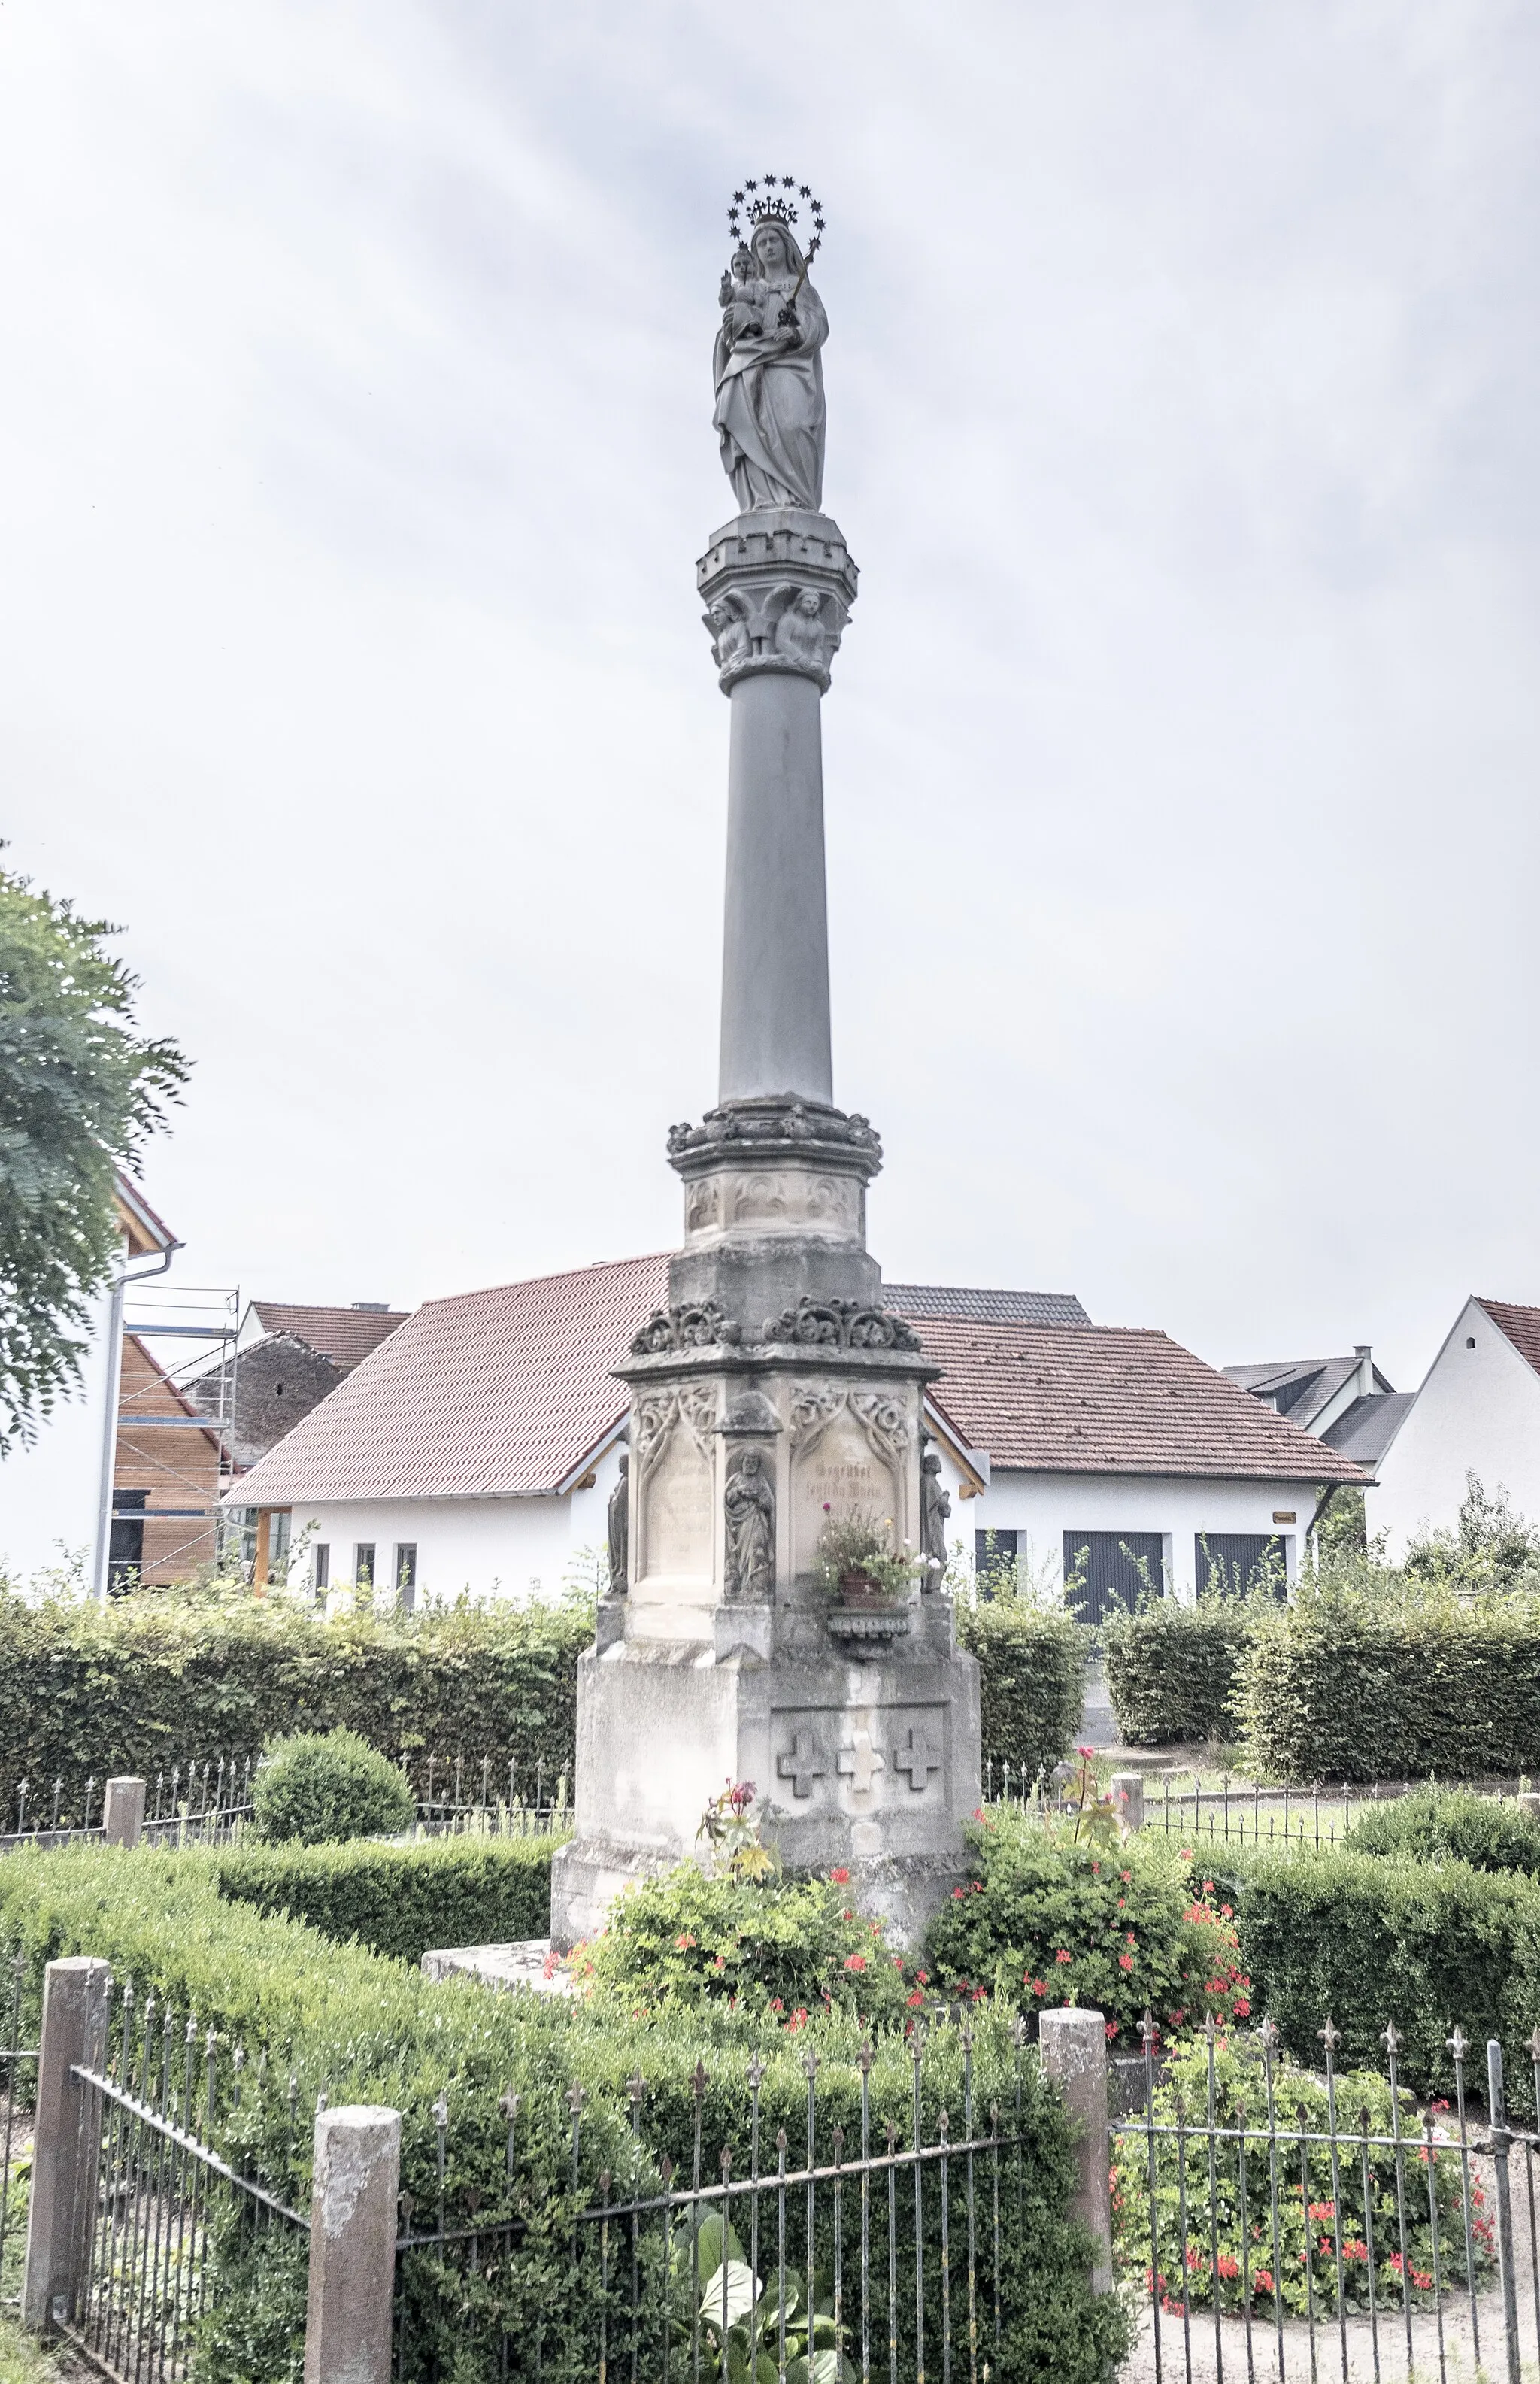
x=402, y=1900
x=149, y=1681
x=1349, y=1687
x=1450, y=1824
x=1032, y=1679
x=367, y=2030
x=1172, y=1670
x=318, y=1790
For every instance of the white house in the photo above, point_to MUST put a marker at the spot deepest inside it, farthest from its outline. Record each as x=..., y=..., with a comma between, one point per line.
x=1478, y=1412
x=55, y=1494
x=478, y=1446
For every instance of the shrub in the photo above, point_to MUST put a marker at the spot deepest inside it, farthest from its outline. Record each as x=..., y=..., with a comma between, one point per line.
x=402, y=1900
x=319, y=1790
x=369, y=2030
x=1444, y=1824
x=1032, y=1679
x=1348, y=1685
x=1056, y=1923
x=1270, y=2263
x=1172, y=1670
x=1370, y=1942
x=149, y=1681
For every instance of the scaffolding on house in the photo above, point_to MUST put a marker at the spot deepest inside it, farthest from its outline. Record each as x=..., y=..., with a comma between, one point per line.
x=190, y=1334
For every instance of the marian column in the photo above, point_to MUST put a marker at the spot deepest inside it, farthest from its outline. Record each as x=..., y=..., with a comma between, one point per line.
x=775, y=1392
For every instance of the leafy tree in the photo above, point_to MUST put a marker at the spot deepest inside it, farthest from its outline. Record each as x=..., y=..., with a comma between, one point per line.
x=79, y=1092
x=1490, y=1548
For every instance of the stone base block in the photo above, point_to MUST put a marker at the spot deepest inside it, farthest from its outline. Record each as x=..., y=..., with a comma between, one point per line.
x=521, y=1963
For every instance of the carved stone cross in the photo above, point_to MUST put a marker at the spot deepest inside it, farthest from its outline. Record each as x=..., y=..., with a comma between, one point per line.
x=917, y=1758
x=861, y=1762
x=802, y=1763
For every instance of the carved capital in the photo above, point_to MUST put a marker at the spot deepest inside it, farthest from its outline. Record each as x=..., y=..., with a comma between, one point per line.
x=779, y=587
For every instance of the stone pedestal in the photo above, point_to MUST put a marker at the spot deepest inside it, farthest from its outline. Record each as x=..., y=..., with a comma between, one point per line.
x=775, y=1392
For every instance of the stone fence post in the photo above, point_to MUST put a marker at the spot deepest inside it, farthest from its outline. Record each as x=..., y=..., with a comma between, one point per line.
x=1128, y=1789
x=1074, y=2050
x=123, y=1812
x=353, y=2245
x=74, y=2018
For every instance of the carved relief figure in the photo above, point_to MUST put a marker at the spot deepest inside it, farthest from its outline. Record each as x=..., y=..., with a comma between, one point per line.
x=803, y=637
x=748, y=1503
x=935, y=1509
x=619, y=1519
x=730, y=640
x=769, y=413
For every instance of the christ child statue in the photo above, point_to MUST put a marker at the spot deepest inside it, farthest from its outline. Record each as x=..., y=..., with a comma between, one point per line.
x=744, y=298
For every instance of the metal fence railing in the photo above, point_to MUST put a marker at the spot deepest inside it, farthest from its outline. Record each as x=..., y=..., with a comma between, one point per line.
x=507, y=1796
x=1275, y=2220
x=19, y=2083
x=765, y=2257
x=159, y=2215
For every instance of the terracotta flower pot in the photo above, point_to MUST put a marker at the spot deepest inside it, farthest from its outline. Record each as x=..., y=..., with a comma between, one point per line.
x=859, y=1591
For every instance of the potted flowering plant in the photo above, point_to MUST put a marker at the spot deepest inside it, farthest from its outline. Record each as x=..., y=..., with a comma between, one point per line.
x=858, y=1561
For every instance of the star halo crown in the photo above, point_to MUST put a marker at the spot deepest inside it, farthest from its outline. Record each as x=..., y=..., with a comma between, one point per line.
x=771, y=198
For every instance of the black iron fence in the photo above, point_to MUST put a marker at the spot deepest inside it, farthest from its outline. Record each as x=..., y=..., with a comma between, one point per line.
x=162, y=2221
x=505, y=1794
x=875, y=2253
x=1275, y=2219
x=19, y=2062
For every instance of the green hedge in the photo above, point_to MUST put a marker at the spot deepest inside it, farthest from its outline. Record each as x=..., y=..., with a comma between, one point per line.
x=1172, y=1671
x=1032, y=1679
x=152, y=1681
x=367, y=2030
x=402, y=1900
x=1341, y=1688
x=1368, y=1940
x=1449, y=1824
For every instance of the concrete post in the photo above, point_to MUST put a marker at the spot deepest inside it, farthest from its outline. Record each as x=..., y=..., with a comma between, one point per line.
x=1529, y=1805
x=776, y=951
x=353, y=2245
x=1073, y=2049
x=123, y=1812
x=74, y=2018
x=1128, y=1789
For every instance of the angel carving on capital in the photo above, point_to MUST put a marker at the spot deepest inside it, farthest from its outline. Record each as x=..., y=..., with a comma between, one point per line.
x=769, y=413
x=802, y=634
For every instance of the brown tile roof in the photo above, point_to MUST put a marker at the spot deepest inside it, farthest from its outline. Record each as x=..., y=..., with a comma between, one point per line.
x=1520, y=1326
x=495, y=1394
x=1109, y=1399
x=343, y=1334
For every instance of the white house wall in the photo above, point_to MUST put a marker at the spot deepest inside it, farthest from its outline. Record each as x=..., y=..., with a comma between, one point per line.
x=1478, y=1412
x=1046, y=1506
x=515, y=1547
x=49, y=1493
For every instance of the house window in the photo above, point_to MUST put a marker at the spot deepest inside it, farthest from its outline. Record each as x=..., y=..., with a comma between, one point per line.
x=126, y=1546
x=279, y=1527
x=994, y=1553
x=1112, y=1573
x=363, y=1564
x=1231, y=1564
x=320, y=1556
x=405, y=1571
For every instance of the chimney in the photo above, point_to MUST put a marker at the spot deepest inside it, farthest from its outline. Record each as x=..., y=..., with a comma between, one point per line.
x=1363, y=1352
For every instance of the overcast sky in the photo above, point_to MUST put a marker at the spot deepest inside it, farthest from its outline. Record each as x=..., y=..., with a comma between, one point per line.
x=1181, y=756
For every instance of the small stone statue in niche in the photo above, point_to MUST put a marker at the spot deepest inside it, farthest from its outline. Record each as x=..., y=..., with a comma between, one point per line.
x=935, y=1509
x=801, y=633
x=749, y=1502
x=618, y=1519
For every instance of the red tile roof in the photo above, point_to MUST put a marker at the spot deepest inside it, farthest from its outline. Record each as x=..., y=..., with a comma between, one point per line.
x=494, y=1394
x=505, y=1393
x=1109, y=1399
x=1520, y=1326
x=343, y=1334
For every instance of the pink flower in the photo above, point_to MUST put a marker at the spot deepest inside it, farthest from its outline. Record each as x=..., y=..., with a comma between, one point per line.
x=855, y=1961
x=1125, y=1961
x=1062, y=1956
x=839, y=1878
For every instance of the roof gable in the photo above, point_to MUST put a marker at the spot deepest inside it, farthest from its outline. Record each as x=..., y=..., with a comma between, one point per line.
x=1520, y=1326
x=346, y=1335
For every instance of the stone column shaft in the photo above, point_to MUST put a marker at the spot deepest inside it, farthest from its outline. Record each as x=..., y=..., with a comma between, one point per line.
x=775, y=945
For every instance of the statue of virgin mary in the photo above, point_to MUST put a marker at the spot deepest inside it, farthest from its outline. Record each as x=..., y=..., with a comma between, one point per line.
x=770, y=383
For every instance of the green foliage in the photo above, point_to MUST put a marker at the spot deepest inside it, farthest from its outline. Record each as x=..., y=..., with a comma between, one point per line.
x=320, y=1789
x=739, y=2321
x=151, y=1681
x=1444, y=1824
x=1121, y=1935
x=1245, y=2263
x=1342, y=1528
x=1372, y=1942
x=1369, y=1677
x=367, y=2029
x=1490, y=1548
x=1032, y=1679
x=80, y=1091
x=782, y=1948
x=1171, y=1670
x=402, y=1900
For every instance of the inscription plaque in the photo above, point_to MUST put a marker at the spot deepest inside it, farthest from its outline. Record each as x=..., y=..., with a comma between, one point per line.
x=679, y=1515
x=842, y=1473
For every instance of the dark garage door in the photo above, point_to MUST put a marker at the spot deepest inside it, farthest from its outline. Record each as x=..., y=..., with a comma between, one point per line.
x=1229, y=1564
x=1111, y=1564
